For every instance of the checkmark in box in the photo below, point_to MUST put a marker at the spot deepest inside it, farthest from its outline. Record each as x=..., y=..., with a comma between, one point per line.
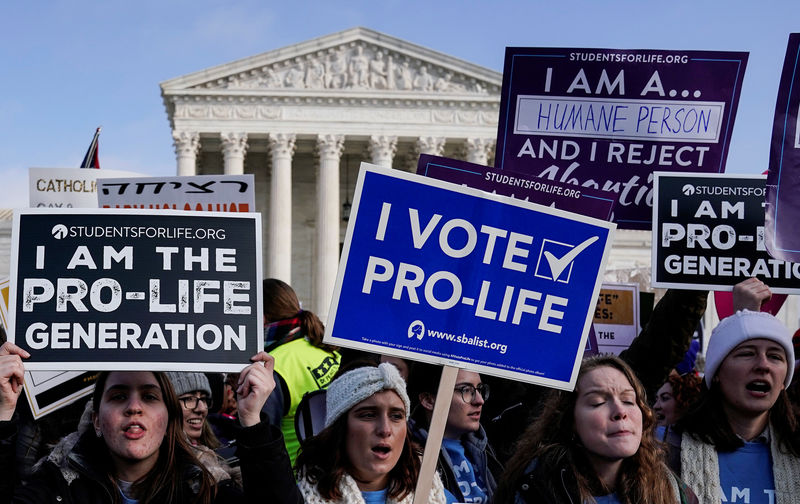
x=558, y=259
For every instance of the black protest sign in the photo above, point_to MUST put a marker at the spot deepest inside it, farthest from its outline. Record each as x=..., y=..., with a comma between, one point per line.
x=133, y=289
x=708, y=233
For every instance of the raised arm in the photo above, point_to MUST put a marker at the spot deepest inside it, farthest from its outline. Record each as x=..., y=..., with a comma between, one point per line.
x=11, y=378
x=262, y=452
x=666, y=337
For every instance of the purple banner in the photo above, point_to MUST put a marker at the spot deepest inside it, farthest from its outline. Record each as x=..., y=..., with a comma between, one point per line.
x=581, y=200
x=783, y=179
x=607, y=118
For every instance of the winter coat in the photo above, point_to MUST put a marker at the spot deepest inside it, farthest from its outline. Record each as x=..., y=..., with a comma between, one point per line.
x=663, y=342
x=74, y=477
x=533, y=490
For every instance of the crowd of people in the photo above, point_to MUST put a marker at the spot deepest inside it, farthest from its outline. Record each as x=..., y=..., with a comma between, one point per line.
x=643, y=427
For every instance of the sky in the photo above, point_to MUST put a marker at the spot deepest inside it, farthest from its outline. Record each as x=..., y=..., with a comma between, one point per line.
x=67, y=67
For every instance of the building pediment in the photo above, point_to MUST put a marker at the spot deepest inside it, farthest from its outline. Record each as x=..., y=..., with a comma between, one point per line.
x=357, y=61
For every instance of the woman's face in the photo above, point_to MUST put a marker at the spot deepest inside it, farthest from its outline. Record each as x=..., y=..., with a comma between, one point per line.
x=751, y=377
x=132, y=420
x=376, y=433
x=664, y=407
x=608, y=421
x=194, y=406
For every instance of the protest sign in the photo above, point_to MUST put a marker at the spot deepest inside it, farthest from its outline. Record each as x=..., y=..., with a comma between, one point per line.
x=5, y=284
x=210, y=193
x=783, y=179
x=136, y=289
x=585, y=201
x=47, y=390
x=67, y=187
x=452, y=275
x=616, y=316
x=606, y=118
x=708, y=234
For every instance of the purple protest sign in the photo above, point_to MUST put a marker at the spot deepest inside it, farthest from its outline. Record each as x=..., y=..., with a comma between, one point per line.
x=581, y=200
x=606, y=118
x=783, y=179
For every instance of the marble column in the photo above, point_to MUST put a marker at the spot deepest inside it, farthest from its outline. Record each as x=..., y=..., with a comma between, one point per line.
x=330, y=149
x=430, y=145
x=187, y=145
x=279, y=255
x=478, y=150
x=234, y=146
x=425, y=145
x=382, y=149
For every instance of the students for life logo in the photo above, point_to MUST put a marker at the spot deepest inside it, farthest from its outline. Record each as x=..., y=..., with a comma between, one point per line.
x=59, y=231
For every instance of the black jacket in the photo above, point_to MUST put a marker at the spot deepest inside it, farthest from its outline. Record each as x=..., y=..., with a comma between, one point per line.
x=266, y=474
x=533, y=490
x=663, y=342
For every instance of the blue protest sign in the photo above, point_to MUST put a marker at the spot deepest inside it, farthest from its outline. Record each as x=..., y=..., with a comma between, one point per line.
x=442, y=273
x=136, y=289
x=606, y=118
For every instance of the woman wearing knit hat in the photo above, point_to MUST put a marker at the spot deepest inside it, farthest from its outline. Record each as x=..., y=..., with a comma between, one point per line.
x=194, y=394
x=364, y=453
x=739, y=441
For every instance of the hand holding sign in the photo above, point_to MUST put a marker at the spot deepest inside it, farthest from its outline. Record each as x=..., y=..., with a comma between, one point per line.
x=11, y=376
x=750, y=294
x=255, y=385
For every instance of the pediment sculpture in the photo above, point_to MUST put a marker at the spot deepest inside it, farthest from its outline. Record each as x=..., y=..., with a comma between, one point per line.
x=355, y=66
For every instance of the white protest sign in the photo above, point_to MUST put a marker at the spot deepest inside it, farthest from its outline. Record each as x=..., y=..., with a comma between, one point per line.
x=67, y=187
x=210, y=193
x=616, y=317
x=136, y=289
x=48, y=391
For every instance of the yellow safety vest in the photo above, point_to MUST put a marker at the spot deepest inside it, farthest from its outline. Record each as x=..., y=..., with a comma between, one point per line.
x=304, y=368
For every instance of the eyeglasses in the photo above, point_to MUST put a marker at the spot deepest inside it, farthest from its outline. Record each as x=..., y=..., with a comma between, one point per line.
x=468, y=391
x=190, y=402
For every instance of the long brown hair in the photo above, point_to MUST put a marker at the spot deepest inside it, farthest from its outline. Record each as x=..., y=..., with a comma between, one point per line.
x=551, y=439
x=280, y=303
x=323, y=461
x=165, y=482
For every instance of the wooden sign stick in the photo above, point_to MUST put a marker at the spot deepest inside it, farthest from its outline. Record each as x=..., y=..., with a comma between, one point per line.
x=444, y=396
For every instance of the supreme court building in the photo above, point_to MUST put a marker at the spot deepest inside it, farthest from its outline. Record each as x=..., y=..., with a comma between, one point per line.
x=302, y=118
